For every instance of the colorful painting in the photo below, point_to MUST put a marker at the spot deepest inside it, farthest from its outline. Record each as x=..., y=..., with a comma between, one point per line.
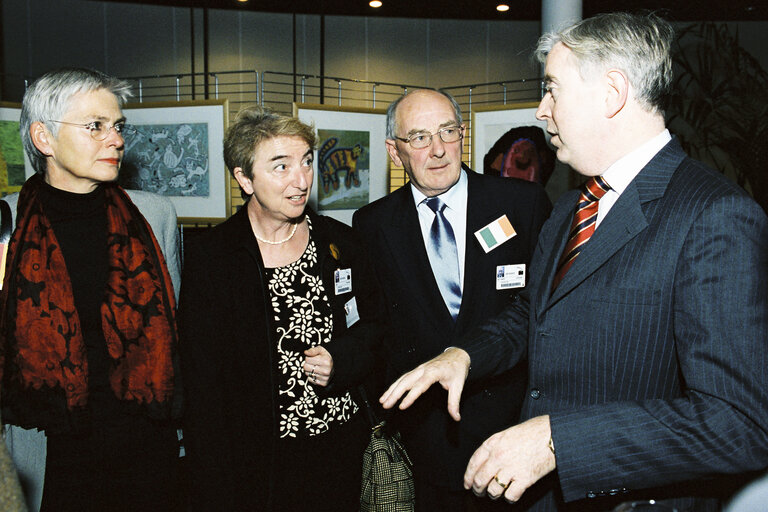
x=12, y=173
x=343, y=168
x=167, y=159
x=177, y=152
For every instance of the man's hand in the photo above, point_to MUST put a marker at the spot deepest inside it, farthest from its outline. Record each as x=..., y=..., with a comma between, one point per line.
x=512, y=460
x=450, y=369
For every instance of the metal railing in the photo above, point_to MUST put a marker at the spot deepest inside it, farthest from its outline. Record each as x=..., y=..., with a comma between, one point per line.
x=278, y=90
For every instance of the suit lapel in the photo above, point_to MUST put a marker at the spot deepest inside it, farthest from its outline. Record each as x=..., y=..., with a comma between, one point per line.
x=562, y=216
x=623, y=223
x=404, y=232
x=475, y=258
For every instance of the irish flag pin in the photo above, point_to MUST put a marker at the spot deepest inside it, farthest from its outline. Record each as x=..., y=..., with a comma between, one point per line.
x=495, y=233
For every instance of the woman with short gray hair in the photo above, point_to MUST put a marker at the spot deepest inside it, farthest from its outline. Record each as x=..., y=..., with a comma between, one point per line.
x=87, y=311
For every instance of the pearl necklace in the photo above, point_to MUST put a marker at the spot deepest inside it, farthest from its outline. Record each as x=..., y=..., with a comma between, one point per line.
x=278, y=242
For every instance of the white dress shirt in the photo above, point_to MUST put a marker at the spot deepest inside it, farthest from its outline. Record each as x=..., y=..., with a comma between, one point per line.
x=621, y=173
x=455, y=199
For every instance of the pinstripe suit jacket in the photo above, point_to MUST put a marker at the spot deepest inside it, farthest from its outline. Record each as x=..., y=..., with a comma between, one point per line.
x=650, y=357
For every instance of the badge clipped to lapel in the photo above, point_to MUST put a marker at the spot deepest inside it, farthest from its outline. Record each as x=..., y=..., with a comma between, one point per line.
x=495, y=233
x=342, y=280
x=510, y=276
x=350, y=312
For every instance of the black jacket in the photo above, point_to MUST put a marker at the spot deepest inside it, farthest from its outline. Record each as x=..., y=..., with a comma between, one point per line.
x=228, y=355
x=422, y=326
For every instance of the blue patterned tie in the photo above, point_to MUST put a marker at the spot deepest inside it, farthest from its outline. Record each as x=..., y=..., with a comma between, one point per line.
x=444, y=257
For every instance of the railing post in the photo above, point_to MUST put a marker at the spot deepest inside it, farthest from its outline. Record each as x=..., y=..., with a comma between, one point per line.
x=339, y=88
x=215, y=86
x=263, y=100
x=178, y=91
x=374, y=95
x=258, y=96
x=303, y=85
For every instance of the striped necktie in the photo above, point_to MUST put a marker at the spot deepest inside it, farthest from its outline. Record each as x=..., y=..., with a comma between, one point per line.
x=444, y=257
x=583, y=225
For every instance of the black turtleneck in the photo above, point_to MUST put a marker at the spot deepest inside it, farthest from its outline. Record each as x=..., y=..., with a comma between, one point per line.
x=80, y=224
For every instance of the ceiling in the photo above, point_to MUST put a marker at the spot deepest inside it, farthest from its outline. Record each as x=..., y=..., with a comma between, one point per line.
x=674, y=10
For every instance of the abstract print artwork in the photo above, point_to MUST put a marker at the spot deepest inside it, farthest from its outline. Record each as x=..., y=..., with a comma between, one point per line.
x=167, y=159
x=343, y=166
x=12, y=174
x=14, y=166
x=176, y=150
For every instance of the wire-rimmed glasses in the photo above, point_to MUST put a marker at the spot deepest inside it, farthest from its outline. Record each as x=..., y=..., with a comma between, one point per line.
x=421, y=140
x=100, y=130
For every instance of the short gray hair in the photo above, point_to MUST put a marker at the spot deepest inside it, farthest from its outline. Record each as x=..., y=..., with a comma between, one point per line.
x=254, y=125
x=48, y=98
x=639, y=45
x=392, y=110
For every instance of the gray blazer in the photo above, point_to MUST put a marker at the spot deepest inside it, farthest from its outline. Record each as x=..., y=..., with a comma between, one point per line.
x=28, y=447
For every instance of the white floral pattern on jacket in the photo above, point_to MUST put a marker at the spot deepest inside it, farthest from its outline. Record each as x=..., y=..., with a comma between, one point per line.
x=303, y=319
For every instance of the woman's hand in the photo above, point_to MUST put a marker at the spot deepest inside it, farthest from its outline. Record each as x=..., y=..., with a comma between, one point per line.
x=318, y=365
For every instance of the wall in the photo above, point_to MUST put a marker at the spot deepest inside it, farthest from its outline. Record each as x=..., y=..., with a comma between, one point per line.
x=138, y=39
x=131, y=40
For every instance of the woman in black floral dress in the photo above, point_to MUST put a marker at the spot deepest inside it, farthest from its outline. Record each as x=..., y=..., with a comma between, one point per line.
x=279, y=318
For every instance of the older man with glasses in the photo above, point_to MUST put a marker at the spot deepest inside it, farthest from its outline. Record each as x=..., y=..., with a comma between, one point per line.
x=451, y=248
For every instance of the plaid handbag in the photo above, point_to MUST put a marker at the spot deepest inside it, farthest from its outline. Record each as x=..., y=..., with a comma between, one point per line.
x=387, y=484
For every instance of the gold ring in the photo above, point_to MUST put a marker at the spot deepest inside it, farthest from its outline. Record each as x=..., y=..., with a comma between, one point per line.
x=312, y=374
x=503, y=486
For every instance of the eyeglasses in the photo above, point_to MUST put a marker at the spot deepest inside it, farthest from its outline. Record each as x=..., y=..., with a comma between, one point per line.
x=100, y=131
x=421, y=140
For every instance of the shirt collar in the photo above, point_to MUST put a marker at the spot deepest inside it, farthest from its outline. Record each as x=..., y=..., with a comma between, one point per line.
x=621, y=173
x=455, y=197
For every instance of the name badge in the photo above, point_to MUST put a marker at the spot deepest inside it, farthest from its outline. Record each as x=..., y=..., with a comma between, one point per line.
x=350, y=312
x=510, y=276
x=495, y=233
x=342, y=279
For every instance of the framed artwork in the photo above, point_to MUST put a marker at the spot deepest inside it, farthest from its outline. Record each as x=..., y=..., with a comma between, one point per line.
x=177, y=151
x=15, y=167
x=351, y=161
x=490, y=123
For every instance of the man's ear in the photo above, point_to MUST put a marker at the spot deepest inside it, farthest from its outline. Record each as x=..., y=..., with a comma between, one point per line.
x=393, y=154
x=617, y=86
x=243, y=181
x=41, y=138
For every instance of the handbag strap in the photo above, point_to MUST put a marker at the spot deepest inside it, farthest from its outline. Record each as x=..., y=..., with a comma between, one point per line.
x=376, y=424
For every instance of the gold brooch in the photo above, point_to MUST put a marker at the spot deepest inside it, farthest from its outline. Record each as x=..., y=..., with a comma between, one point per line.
x=335, y=252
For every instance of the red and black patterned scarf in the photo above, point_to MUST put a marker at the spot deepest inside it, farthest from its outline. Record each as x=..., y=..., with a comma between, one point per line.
x=44, y=363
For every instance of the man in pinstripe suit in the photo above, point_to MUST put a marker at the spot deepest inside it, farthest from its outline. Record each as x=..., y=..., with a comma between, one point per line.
x=648, y=354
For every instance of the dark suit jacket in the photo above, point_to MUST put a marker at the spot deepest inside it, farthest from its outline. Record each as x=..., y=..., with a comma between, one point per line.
x=229, y=356
x=650, y=357
x=422, y=326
